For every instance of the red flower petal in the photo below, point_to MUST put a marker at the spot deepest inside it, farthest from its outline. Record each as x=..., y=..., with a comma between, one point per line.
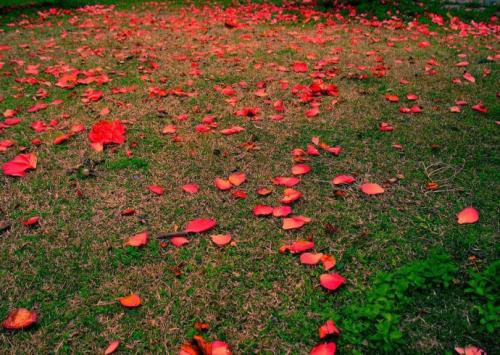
x=334, y=150
x=299, y=67
x=169, y=129
x=329, y=328
x=128, y=212
x=480, y=108
x=107, y=132
x=468, y=76
x=331, y=281
x=324, y=349
x=391, y=98
x=385, y=127
x=138, y=240
x=179, y=241
x=470, y=350
x=220, y=348
x=200, y=225
x=468, y=215
x=19, y=165
x=371, y=188
x=301, y=246
x=343, y=180
x=300, y=169
x=221, y=239
x=19, y=318
x=232, y=130
x=295, y=222
x=131, y=301
x=156, y=189
x=312, y=150
x=237, y=178
x=61, y=139
x=262, y=210
x=222, y=184
x=328, y=262
x=290, y=195
x=239, y=194
x=77, y=128
x=282, y=211
x=264, y=191
x=285, y=181
x=31, y=221
x=112, y=347
x=310, y=258
x=190, y=188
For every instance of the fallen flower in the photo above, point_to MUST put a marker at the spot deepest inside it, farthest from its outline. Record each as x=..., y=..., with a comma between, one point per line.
x=20, y=164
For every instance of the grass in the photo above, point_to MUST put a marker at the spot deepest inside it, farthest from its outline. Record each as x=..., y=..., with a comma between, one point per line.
x=73, y=266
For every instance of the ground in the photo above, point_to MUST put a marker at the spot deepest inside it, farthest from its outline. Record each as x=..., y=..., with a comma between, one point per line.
x=72, y=265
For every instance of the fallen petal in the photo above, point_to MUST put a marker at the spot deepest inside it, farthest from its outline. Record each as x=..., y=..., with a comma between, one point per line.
x=468, y=215
x=331, y=281
x=371, y=189
x=131, y=301
x=199, y=225
x=221, y=239
x=20, y=318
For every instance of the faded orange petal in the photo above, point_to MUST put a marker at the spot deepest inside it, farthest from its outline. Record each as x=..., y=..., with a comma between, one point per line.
x=179, y=241
x=295, y=222
x=138, y=240
x=300, y=169
x=19, y=318
x=130, y=301
x=237, y=178
x=310, y=258
x=264, y=191
x=371, y=188
x=343, y=179
x=220, y=348
x=222, y=184
x=301, y=246
x=221, y=239
x=112, y=347
x=328, y=262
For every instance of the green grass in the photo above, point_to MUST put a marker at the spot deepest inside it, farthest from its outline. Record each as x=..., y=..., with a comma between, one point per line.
x=402, y=249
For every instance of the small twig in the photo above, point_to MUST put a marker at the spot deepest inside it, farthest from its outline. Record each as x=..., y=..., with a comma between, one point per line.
x=173, y=234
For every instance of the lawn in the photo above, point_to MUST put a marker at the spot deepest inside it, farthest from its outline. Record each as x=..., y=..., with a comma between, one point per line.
x=149, y=116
